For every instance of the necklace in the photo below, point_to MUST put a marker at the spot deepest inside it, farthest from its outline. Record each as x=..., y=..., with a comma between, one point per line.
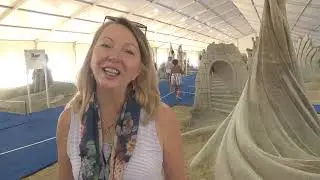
x=108, y=129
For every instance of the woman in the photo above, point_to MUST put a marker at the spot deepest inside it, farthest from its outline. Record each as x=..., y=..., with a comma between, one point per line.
x=176, y=77
x=115, y=127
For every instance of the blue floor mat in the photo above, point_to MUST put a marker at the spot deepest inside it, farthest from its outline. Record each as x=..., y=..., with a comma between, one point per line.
x=187, y=92
x=27, y=161
x=20, y=151
x=317, y=107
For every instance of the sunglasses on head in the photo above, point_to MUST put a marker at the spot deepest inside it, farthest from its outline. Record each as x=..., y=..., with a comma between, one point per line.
x=142, y=27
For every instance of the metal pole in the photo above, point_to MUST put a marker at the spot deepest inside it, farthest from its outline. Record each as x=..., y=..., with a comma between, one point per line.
x=186, y=69
x=28, y=89
x=25, y=107
x=74, y=48
x=46, y=82
x=156, y=54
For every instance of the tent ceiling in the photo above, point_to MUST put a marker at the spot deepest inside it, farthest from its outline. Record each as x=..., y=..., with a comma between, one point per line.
x=303, y=16
x=192, y=23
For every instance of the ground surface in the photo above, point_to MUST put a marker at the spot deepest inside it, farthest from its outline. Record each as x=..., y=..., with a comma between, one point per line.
x=191, y=145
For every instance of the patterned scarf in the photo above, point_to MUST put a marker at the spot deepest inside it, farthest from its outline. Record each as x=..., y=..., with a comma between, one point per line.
x=93, y=164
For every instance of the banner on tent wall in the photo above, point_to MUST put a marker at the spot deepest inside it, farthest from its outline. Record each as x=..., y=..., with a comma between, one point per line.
x=35, y=58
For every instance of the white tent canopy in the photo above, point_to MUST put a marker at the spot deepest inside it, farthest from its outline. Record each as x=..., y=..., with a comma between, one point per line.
x=194, y=23
x=303, y=16
x=186, y=22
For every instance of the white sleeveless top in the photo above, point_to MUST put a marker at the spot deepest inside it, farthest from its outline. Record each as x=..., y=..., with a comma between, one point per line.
x=145, y=163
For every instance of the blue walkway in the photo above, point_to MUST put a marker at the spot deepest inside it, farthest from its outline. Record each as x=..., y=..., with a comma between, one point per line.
x=187, y=92
x=19, y=156
x=317, y=107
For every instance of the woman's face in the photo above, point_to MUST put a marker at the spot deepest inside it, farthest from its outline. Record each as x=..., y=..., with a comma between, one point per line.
x=116, y=57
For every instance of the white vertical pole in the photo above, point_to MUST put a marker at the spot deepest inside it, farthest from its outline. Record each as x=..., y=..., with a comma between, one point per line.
x=187, y=60
x=46, y=82
x=74, y=48
x=156, y=54
x=36, y=42
x=28, y=89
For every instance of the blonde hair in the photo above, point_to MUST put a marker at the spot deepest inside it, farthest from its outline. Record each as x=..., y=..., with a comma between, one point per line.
x=146, y=84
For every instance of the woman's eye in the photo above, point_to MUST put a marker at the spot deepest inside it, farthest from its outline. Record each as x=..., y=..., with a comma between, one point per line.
x=105, y=45
x=129, y=52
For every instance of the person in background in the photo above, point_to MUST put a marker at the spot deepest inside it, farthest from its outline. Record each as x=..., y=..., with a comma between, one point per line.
x=115, y=127
x=176, y=77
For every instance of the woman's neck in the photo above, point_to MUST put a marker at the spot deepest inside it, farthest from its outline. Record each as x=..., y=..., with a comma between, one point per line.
x=110, y=101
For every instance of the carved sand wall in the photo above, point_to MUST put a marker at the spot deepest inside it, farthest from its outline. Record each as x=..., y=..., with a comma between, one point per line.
x=220, y=79
x=273, y=132
x=251, y=53
x=308, y=59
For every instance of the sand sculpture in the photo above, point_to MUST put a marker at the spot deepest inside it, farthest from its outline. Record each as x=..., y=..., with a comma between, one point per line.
x=273, y=132
x=181, y=58
x=38, y=77
x=201, y=54
x=162, y=71
x=171, y=53
x=220, y=79
x=250, y=53
x=308, y=59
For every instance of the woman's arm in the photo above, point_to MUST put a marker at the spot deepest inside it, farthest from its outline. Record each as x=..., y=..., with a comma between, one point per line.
x=170, y=135
x=64, y=165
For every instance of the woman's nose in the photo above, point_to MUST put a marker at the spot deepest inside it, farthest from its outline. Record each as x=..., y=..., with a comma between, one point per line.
x=114, y=55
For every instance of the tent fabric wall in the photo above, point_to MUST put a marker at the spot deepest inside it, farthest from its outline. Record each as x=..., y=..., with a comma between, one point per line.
x=65, y=59
x=61, y=60
x=12, y=63
x=81, y=53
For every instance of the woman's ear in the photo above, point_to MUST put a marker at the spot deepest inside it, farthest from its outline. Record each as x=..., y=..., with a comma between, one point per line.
x=138, y=73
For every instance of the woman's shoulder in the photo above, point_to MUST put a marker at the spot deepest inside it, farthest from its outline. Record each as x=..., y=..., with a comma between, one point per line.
x=64, y=122
x=166, y=118
x=65, y=115
x=163, y=111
